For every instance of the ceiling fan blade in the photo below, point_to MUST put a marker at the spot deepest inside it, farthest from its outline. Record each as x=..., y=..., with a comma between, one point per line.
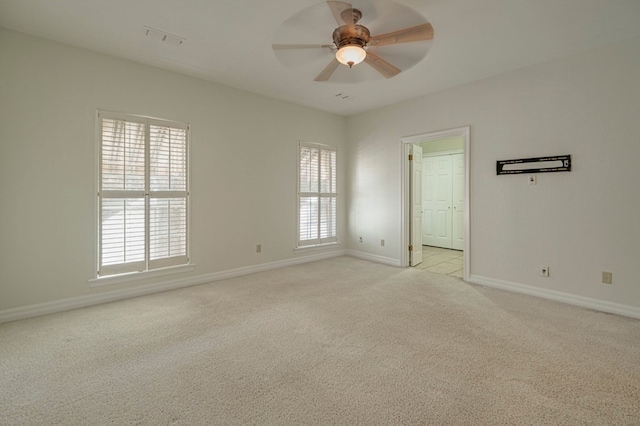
x=338, y=8
x=417, y=33
x=301, y=46
x=327, y=71
x=380, y=65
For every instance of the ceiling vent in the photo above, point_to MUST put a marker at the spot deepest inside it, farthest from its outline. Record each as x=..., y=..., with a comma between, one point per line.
x=163, y=37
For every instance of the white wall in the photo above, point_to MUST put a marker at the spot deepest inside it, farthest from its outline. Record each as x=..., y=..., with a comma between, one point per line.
x=243, y=150
x=243, y=169
x=579, y=223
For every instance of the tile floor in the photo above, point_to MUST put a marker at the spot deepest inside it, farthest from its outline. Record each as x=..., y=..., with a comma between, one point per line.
x=442, y=261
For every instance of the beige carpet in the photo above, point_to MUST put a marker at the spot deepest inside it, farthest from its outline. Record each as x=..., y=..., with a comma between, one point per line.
x=341, y=341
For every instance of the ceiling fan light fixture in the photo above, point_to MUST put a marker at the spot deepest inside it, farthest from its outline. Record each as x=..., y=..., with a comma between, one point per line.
x=351, y=55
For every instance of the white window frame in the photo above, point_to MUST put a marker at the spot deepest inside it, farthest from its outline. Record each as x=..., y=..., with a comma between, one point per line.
x=148, y=267
x=330, y=240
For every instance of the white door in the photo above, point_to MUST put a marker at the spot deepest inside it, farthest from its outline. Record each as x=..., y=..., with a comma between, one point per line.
x=438, y=202
x=415, y=167
x=428, y=200
x=458, y=202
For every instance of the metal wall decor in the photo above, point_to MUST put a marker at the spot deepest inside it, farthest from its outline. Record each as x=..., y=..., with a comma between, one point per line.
x=558, y=163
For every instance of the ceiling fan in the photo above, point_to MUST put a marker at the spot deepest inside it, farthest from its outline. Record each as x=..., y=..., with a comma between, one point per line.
x=353, y=42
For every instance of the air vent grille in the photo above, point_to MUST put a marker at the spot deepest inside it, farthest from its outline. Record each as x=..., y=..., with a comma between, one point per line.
x=163, y=36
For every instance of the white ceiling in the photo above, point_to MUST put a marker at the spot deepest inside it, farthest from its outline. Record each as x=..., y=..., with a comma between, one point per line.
x=229, y=41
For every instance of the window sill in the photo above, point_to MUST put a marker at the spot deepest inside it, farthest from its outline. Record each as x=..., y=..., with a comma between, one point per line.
x=304, y=249
x=136, y=276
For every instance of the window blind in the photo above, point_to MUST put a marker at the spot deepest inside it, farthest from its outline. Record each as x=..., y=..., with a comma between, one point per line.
x=142, y=194
x=317, y=195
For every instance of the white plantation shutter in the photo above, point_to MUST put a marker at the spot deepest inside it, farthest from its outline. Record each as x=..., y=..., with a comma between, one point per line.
x=142, y=194
x=317, y=195
x=168, y=196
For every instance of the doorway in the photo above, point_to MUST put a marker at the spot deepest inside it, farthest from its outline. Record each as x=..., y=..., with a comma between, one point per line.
x=431, y=145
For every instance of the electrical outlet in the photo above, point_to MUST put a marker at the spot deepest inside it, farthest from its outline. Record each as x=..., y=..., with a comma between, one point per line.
x=382, y=243
x=544, y=271
x=258, y=248
x=360, y=239
x=607, y=277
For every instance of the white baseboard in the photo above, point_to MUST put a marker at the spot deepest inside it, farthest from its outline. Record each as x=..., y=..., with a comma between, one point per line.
x=571, y=299
x=120, y=294
x=374, y=258
x=127, y=293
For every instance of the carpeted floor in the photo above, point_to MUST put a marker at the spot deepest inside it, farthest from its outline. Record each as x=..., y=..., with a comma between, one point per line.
x=341, y=341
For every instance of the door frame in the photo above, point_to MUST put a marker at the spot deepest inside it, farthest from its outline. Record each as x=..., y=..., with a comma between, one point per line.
x=405, y=194
x=415, y=150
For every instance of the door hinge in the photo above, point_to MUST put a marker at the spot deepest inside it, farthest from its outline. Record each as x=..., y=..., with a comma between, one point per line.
x=410, y=157
x=410, y=248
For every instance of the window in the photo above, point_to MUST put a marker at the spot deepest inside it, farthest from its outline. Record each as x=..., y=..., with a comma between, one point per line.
x=142, y=194
x=317, y=195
